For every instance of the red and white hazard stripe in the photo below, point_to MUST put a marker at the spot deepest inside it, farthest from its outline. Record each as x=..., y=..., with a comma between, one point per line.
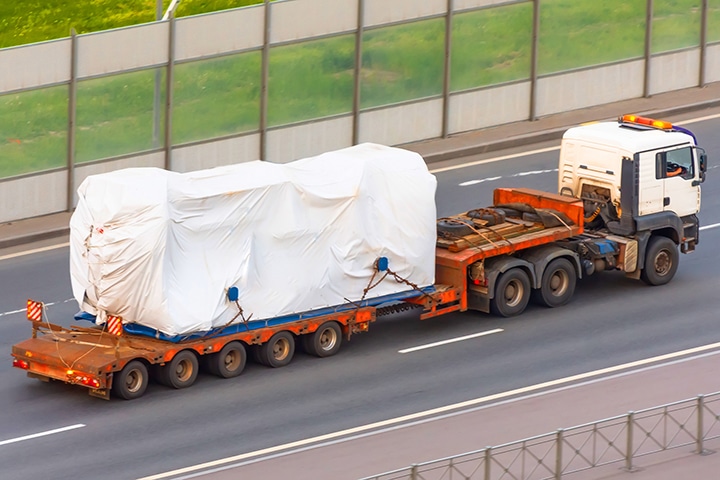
x=34, y=310
x=114, y=325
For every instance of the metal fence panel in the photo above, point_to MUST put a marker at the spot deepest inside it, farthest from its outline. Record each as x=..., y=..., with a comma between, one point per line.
x=294, y=19
x=33, y=196
x=300, y=141
x=218, y=33
x=566, y=451
x=154, y=159
x=402, y=124
x=122, y=49
x=674, y=71
x=34, y=65
x=712, y=73
x=379, y=12
x=217, y=153
x=489, y=107
x=589, y=87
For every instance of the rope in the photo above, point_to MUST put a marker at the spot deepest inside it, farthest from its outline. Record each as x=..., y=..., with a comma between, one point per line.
x=560, y=219
x=474, y=229
x=57, y=341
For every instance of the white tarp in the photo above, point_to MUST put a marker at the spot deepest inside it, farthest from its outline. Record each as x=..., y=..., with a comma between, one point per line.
x=161, y=249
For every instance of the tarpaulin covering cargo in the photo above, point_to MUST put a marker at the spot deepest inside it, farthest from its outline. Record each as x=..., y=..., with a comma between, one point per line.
x=160, y=249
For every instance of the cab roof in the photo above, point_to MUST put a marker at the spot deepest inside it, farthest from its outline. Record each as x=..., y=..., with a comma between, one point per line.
x=630, y=138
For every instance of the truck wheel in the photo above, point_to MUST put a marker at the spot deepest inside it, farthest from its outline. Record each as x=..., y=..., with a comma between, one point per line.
x=325, y=341
x=558, y=284
x=131, y=382
x=661, y=261
x=512, y=293
x=278, y=351
x=228, y=362
x=181, y=372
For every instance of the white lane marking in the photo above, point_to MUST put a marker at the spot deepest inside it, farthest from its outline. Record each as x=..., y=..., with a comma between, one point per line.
x=450, y=340
x=42, y=434
x=708, y=227
x=520, y=174
x=34, y=250
x=495, y=159
x=698, y=119
x=434, y=411
x=47, y=305
x=475, y=182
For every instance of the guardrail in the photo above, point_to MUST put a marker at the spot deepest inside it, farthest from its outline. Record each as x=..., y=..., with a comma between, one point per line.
x=620, y=439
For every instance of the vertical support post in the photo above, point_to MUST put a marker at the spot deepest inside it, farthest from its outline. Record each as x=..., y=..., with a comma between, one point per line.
x=413, y=472
x=169, y=79
x=703, y=42
x=157, y=92
x=446, y=66
x=629, y=444
x=558, y=454
x=358, y=71
x=534, y=60
x=700, y=427
x=488, y=459
x=264, y=77
x=72, y=118
x=648, y=47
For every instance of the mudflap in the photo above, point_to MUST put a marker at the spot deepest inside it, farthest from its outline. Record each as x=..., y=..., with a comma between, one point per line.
x=103, y=393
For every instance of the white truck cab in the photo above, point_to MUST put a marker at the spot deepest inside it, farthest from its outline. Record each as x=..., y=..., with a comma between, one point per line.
x=639, y=179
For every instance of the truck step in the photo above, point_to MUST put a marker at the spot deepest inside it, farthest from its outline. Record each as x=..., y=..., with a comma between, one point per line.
x=688, y=246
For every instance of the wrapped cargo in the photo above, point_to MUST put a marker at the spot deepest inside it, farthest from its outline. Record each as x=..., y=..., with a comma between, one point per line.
x=161, y=249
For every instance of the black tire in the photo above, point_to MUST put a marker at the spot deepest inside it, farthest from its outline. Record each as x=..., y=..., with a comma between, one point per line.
x=228, y=362
x=278, y=351
x=131, y=382
x=512, y=293
x=181, y=371
x=453, y=228
x=531, y=217
x=254, y=351
x=325, y=341
x=558, y=284
x=661, y=261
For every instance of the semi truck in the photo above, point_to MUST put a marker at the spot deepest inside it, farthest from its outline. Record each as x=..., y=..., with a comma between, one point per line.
x=627, y=200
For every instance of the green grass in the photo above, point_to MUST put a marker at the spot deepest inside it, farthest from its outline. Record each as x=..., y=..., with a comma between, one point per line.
x=29, y=21
x=312, y=79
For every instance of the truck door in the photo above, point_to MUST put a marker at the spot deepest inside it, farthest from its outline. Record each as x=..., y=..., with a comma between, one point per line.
x=681, y=185
x=651, y=191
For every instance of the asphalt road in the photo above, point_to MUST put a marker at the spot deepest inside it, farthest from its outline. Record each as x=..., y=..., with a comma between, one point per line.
x=612, y=320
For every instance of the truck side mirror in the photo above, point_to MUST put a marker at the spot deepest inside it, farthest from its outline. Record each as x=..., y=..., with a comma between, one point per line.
x=702, y=162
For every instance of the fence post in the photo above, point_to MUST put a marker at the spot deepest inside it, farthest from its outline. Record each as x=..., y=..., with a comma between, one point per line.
x=629, y=445
x=264, y=77
x=72, y=121
x=169, y=85
x=413, y=472
x=534, y=60
x=648, y=47
x=703, y=42
x=446, y=68
x=488, y=456
x=358, y=71
x=700, y=427
x=558, y=454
